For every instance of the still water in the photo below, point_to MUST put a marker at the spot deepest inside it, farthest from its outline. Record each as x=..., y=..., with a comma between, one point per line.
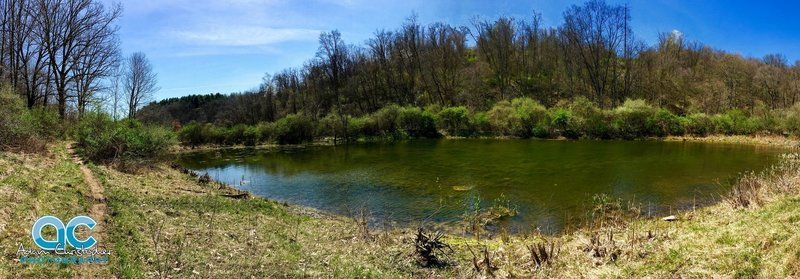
x=550, y=182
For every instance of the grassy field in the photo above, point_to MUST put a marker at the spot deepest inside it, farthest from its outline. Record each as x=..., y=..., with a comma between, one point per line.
x=164, y=223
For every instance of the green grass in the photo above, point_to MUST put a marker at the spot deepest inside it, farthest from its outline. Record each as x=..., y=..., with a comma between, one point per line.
x=204, y=234
x=32, y=186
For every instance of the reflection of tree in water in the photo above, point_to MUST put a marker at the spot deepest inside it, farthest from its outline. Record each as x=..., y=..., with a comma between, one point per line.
x=548, y=180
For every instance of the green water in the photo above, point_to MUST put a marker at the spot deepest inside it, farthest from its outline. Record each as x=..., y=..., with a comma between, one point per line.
x=550, y=182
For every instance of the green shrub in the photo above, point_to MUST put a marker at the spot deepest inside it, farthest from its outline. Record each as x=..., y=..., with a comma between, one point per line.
x=252, y=135
x=266, y=131
x=235, y=135
x=501, y=118
x=294, y=129
x=193, y=134
x=631, y=119
x=417, y=123
x=791, y=119
x=699, y=124
x=590, y=120
x=480, y=122
x=528, y=114
x=386, y=119
x=563, y=123
x=45, y=123
x=21, y=129
x=103, y=140
x=331, y=126
x=455, y=121
x=664, y=123
x=736, y=122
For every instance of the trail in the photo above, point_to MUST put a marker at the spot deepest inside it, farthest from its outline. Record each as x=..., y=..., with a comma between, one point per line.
x=98, y=212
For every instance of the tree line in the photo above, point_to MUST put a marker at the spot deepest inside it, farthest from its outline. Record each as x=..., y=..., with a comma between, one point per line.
x=66, y=53
x=593, y=53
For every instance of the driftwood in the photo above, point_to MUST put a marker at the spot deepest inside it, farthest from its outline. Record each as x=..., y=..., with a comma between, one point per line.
x=237, y=196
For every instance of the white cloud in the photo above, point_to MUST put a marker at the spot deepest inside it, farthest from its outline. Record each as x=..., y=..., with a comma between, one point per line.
x=243, y=35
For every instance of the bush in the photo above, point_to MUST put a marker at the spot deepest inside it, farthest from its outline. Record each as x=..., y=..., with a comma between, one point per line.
x=480, y=122
x=331, y=126
x=417, y=123
x=266, y=131
x=590, y=120
x=21, y=129
x=252, y=135
x=665, y=123
x=386, y=119
x=294, y=129
x=736, y=122
x=103, y=140
x=699, y=124
x=631, y=119
x=528, y=114
x=563, y=122
x=193, y=134
x=791, y=119
x=455, y=121
x=501, y=118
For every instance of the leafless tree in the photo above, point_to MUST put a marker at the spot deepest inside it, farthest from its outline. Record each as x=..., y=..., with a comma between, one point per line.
x=598, y=34
x=72, y=33
x=139, y=82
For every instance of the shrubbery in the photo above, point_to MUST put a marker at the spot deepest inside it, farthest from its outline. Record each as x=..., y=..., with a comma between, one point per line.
x=455, y=121
x=23, y=129
x=294, y=129
x=103, y=140
x=417, y=123
x=632, y=118
x=520, y=117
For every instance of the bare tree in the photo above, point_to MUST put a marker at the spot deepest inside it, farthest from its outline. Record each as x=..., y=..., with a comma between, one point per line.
x=139, y=81
x=114, y=91
x=70, y=31
x=598, y=34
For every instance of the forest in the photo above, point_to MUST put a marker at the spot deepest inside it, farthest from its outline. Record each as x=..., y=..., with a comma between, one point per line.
x=502, y=77
x=588, y=77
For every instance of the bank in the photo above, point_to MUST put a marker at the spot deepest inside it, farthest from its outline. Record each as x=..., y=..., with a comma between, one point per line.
x=162, y=222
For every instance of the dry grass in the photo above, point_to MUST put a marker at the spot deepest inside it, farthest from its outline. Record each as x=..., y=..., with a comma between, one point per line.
x=164, y=223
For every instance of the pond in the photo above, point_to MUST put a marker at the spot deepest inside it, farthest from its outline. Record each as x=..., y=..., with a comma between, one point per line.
x=549, y=182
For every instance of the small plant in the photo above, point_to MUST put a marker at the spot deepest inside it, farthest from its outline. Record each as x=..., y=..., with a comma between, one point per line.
x=483, y=262
x=430, y=249
x=543, y=253
x=501, y=208
x=362, y=221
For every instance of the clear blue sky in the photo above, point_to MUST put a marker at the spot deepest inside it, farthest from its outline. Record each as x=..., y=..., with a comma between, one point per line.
x=209, y=46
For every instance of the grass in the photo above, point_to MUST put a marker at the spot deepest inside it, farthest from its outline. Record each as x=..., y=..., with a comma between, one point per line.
x=163, y=223
x=31, y=186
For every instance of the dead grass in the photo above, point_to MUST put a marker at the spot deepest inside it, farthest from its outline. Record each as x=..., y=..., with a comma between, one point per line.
x=164, y=223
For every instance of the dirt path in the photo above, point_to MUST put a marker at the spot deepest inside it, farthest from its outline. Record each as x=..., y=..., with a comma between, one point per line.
x=98, y=212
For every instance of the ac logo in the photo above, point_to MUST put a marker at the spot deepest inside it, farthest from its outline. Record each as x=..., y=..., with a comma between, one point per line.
x=65, y=235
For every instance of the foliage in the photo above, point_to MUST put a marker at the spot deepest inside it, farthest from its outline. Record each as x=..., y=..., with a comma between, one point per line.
x=417, y=123
x=22, y=129
x=294, y=129
x=455, y=121
x=736, y=122
x=631, y=119
x=791, y=119
x=664, y=123
x=563, y=122
x=103, y=140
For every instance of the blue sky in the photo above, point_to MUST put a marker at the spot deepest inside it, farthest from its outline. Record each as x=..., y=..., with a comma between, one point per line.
x=208, y=46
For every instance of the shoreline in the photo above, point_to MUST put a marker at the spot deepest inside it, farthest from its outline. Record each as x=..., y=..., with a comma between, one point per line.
x=249, y=236
x=766, y=140
x=761, y=140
